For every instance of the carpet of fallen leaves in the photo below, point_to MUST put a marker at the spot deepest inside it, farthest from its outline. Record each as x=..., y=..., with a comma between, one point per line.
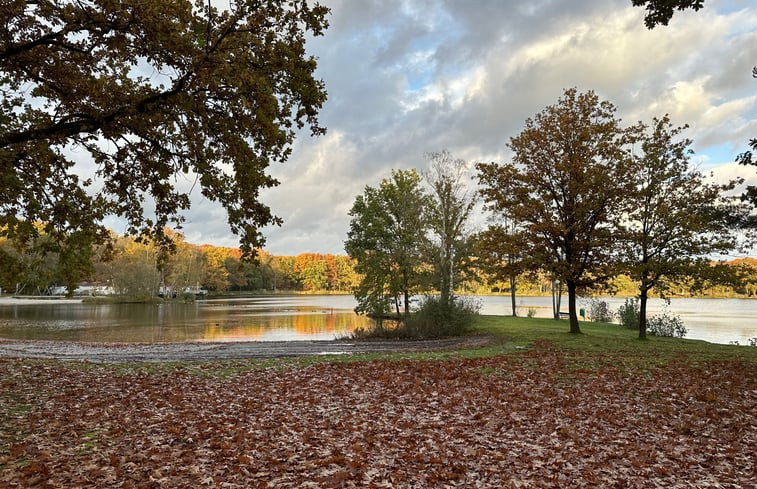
x=542, y=418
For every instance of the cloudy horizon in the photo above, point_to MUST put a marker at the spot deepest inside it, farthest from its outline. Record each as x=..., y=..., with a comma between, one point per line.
x=407, y=78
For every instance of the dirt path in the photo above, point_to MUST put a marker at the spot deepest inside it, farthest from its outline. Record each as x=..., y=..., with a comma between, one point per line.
x=204, y=351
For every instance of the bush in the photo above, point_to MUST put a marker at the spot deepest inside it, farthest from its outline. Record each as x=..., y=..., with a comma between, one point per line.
x=436, y=320
x=628, y=314
x=431, y=320
x=599, y=311
x=382, y=329
x=666, y=324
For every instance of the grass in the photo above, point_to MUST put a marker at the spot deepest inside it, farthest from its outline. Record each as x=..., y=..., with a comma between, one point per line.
x=604, y=338
x=514, y=335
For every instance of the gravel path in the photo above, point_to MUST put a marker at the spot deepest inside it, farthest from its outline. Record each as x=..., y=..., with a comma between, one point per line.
x=205, y=351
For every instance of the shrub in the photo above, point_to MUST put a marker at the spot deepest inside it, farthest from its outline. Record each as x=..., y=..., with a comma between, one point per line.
x=381, y=329
x=599, y=311
x=628, y=314
x=431, y=320
x=666, y=324
x=435, y=320
x=531, y=312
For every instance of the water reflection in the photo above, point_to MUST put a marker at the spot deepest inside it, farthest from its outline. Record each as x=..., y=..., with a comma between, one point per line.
x=285, y=325
x=303, y=317
x=260, y=319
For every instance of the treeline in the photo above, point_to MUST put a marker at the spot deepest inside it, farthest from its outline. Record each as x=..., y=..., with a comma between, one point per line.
x=131, y=268
x=742, y=274
x=128, y=267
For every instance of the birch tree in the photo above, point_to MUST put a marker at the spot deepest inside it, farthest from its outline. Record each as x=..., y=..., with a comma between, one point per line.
x=448, y=213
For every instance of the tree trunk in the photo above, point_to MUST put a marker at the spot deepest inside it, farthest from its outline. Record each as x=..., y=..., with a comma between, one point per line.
x=444, y=284
x=574, y=328
x=512, y=294
x=555, y=307
x=444, y=297
x=556, y=298
x=643, y=313
x=407, y=304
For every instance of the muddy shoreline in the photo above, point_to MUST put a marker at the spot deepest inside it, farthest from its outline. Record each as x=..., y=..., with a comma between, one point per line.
x=209, y=351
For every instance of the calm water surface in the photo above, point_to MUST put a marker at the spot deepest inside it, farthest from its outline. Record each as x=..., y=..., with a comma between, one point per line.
x=312, y=317
x=260, y=319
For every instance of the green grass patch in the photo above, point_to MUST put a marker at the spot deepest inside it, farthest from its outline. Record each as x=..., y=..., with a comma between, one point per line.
x=598, y=338
x=90, y=442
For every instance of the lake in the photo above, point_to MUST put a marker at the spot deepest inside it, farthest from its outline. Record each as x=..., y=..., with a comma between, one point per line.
x=301, y=317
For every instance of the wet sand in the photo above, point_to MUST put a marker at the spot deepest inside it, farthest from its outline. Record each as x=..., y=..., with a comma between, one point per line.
x=209, y=351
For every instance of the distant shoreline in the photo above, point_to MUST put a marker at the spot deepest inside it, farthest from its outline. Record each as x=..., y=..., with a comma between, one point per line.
x=57, y=299
x=9, y=300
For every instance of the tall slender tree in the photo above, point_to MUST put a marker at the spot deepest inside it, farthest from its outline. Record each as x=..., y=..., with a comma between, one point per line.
x=184, y=269
x=448, y=212
x=565, y=185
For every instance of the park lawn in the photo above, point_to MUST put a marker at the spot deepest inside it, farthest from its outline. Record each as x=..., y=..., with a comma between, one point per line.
x=538, y=407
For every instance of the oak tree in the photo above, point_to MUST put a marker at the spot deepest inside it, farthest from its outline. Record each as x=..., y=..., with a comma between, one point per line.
x=564, y=186
x=499, y=252
x=675, y=218
x=150, y=93
x=659, y=12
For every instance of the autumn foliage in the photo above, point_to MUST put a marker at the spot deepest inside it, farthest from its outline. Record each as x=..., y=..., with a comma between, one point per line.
x=153, y=93
x=541, y=418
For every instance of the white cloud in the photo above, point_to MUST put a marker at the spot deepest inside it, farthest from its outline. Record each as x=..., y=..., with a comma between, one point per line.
x=727, y=172
x=405, y=78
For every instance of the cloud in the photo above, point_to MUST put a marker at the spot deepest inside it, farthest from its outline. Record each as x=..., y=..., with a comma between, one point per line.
x=405, y=78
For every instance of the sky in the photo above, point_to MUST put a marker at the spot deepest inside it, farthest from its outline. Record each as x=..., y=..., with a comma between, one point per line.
x=406, y=78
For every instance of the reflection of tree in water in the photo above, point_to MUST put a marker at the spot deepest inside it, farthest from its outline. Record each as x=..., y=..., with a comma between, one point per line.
x=329, y=322
x=325, y=322
x=314, y=323
x=216, y=331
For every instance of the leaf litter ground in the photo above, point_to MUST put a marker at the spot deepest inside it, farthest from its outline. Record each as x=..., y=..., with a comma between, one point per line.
x=541, y=418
